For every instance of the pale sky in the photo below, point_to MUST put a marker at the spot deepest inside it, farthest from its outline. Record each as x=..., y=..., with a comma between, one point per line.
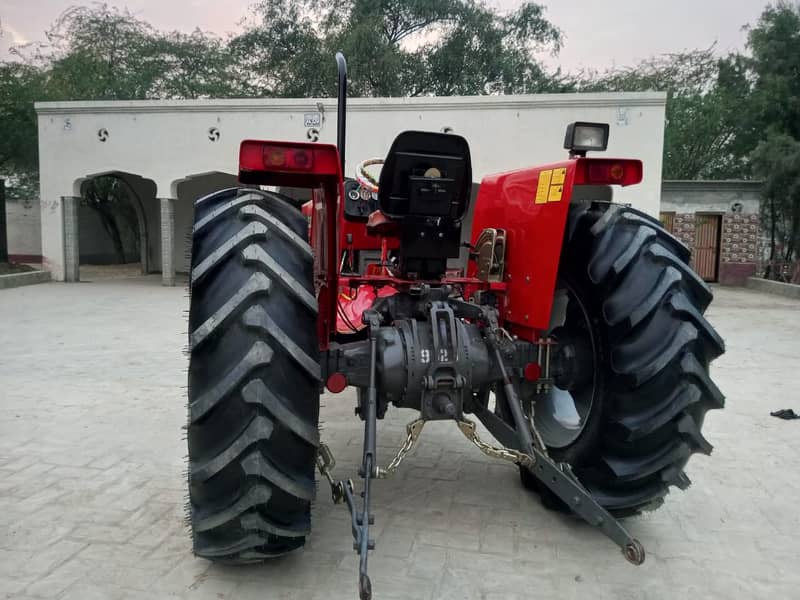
x=597, y=33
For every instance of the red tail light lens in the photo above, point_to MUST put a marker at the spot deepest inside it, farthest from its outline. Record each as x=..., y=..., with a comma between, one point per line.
x=256, y=156
x=277, y=158
x=594, y=171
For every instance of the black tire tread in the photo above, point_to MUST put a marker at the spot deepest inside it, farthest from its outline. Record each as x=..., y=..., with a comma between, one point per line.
x=649, y=307
x=253, y=378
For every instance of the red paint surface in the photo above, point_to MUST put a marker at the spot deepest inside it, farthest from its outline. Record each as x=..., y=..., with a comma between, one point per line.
x=534, y=234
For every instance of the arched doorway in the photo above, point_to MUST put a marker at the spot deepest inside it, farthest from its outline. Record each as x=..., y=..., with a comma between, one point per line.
x=185, y=191
x=116, y=214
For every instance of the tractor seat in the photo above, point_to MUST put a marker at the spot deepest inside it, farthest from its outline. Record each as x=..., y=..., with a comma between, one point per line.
x=381, y=225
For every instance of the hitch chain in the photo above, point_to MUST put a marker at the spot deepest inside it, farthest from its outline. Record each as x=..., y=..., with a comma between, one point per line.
x=326, y=462
x=413, y=431
x=469, y=429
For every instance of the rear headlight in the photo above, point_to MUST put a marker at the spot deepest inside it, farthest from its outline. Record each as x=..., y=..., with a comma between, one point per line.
x=602, y=171
x=297, y=164
x=262, y=157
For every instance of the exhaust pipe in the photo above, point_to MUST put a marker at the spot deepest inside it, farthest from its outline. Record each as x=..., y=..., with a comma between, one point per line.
x=341, y=108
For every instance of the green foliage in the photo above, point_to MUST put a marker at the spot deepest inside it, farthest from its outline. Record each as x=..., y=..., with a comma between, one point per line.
x=394, y=47
x=99, y=53
x=280, y=53
x=705, y=96
x=774, y=111
x=777, y=161
x=20, y=86
x=102, y=53
x=774, y=43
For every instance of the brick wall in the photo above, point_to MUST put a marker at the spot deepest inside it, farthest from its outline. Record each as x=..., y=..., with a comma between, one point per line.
x=738, y=240
x=738, y=244
x=738, y=248
x=683, y=228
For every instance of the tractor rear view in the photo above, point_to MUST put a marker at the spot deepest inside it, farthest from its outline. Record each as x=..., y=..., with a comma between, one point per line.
x=570, y=326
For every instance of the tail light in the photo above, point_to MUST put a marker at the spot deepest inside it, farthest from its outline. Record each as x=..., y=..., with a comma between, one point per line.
x=287, y=163
x=608, y=171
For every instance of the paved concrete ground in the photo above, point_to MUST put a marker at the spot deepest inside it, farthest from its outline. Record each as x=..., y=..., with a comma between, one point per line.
x=92, y=477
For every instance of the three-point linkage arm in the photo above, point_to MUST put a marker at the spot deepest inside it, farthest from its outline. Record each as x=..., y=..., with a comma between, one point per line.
x=361, y=520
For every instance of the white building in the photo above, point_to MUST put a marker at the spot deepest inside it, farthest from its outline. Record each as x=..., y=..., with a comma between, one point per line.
x=171, y=152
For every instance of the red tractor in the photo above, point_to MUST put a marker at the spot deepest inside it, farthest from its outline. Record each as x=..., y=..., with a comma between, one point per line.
x=570, y=326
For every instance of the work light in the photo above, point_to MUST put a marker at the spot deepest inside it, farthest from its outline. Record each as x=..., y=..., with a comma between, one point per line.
x=582, y=137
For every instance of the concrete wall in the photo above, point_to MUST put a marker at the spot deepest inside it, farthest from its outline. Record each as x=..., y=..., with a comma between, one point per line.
x=739, y=238
x=167, y=140
x=710, y=196
x=24, y=228
x=95, y=245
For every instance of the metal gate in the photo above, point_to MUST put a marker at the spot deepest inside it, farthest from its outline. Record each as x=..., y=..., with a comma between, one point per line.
x=706, y=246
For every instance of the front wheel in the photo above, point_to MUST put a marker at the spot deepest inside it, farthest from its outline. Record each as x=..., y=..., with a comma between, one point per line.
x=631, y=363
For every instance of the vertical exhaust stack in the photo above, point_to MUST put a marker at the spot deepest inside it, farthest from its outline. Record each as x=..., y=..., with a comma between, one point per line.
x=341, y=107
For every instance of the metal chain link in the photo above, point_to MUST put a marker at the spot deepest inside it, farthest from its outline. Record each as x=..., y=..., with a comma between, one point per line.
x=469, y=429
x=413, y=430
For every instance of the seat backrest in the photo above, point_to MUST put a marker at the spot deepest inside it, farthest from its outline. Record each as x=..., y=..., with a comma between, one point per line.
x=426, y=174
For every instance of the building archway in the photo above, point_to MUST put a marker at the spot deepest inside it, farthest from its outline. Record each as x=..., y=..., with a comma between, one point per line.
x=184, y=192
x=112, y=216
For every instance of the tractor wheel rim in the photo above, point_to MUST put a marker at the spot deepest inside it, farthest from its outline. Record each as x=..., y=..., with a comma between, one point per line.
x=561, y=413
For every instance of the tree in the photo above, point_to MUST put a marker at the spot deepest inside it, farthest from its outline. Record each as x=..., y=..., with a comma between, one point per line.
x=777, y=161
x=103, y=53
x=100, y=53
x=774, y=43
x=281, y=53
x=394, y=47
x=196, y=65
x=704, y=117
x=20, y=86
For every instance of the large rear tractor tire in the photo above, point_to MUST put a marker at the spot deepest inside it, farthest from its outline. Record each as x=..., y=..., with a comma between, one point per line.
x=253, y=377
x=631, y=365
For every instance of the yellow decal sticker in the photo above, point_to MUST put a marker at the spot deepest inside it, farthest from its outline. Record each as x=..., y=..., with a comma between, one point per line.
x=544, y=185
x=551, y=185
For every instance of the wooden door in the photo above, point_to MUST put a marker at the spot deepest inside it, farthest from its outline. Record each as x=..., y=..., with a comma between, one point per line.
x=706, y=246
x=668, y=220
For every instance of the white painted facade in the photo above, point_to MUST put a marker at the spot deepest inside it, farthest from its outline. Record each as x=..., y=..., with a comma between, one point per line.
x=161, y=147
x=24, y=228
